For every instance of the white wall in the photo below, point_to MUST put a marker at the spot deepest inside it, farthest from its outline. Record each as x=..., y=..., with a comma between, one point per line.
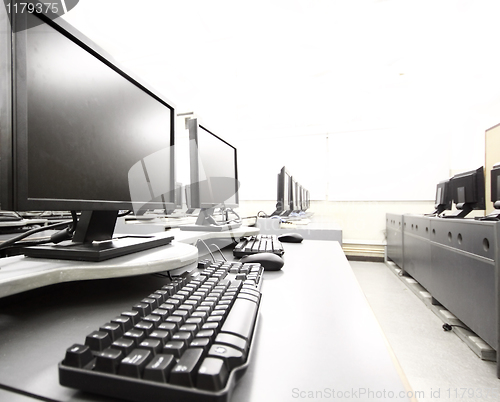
x=376, y=127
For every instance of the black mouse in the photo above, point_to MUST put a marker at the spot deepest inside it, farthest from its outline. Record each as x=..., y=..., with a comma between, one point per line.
x=290, y=238
x=269, y=261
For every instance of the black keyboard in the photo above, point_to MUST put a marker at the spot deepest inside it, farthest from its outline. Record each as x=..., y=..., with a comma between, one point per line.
x=258, y=244
x=191, y=340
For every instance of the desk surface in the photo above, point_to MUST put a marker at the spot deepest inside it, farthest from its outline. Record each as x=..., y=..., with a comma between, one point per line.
x=20, y=273
x=316, y=332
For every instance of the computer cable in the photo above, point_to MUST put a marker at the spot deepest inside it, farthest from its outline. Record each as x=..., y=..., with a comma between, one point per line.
x=449, y=327
x=67, y=233
x=125, y=213
x=220, y=251
x=13, y=241
x=208, y=248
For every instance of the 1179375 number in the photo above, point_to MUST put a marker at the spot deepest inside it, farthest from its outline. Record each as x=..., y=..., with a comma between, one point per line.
x=38, y=7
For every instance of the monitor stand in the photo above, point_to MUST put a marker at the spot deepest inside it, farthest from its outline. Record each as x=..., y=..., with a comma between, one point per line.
x=461, y=213
x=93, y=240
x=207, y=223
x=494, y=216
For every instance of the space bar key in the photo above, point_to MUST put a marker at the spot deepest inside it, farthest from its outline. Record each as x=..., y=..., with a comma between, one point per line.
x=241, y=318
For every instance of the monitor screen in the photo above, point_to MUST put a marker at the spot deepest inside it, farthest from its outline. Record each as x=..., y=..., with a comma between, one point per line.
x=79, y=133
x=283, y=199
x=443, y=199
x=495, y=186
x=294, y=201
x=85, y=135
x=299, y=196
x=214, y=169
x=468, y=190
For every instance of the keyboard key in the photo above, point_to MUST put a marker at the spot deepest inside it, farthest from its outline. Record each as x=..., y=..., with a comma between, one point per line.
x=125, y=322
x=136, y=335
x=175, y=348
x=241, y=318
x=126, y=345
x=161, y=335
x=98, y=340
x=142, y=308
x=171, y=327
x=198, y=342
x=133, y=315
x=134, y=364
x=114, y=330
x=185, y=370
x=159, y=368
x=183, y=336
x=78, y=356
x=232, y=340
x=146, y=326
x=231, y=356
x=153, y=345
x=212, y=374
x=108, y=360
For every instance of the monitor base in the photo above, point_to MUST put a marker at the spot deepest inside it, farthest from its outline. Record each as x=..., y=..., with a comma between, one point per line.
x=98, y=251
x=211, y=228
x=459, y=214
x=207, y=223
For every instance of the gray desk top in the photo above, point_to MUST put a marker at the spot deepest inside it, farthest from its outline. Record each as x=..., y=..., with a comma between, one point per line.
x=316, y=332
x=19, y=273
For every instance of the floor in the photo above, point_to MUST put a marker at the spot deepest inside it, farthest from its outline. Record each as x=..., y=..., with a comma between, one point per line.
x=438, y=364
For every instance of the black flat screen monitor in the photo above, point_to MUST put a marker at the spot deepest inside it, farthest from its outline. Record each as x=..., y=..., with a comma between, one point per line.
x=294, y=202
x=443, y=200
x=468, y=191
x=80, y=133
x=495, y=186
x=214, y=179
x=283, y=199
x=300, y=192
x=179, y=196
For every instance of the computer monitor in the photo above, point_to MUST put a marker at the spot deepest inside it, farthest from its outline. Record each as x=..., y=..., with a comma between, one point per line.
x=283, y=199
x=300, y=192
x=214, y=180
x=80, y=133
x=495, y=186
x=308, y=201
x=443, y=200
x=468, y=192
x=495, y=193
x=295, y=201
x=179, y=196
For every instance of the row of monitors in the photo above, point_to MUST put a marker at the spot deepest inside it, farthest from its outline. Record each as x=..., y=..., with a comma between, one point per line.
x=467, y=191
x=291, y=195
x=80, y=133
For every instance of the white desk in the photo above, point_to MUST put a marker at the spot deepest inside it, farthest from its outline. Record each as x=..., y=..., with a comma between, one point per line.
x=20, y=273
x=316, y=332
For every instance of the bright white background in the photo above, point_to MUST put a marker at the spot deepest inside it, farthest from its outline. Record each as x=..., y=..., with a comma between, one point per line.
x=360, y=99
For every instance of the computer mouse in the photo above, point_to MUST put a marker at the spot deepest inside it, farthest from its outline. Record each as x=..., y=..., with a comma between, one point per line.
x=269, y=261
x=291, y=238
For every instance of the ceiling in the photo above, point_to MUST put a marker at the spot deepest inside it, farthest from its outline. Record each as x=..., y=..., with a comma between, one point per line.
x=307, y=67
